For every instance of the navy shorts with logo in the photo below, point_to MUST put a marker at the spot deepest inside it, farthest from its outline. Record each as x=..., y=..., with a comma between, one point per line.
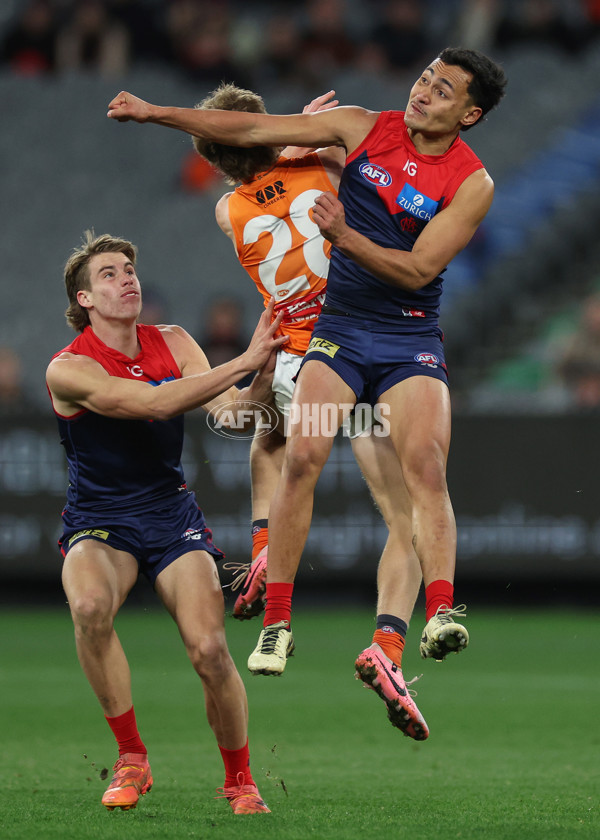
x=370, y=358
x=155, y=537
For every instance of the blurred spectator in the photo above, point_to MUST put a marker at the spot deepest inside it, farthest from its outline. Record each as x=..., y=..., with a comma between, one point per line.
x=155, y=307
x=282, y=44
x=400, y=37
x=197, y=175
x=30, y=44
x=13, y=397
x=143, y=21
x=591, y=9
x=476, y=24
x=579, y=366
x=93, y=39
x=223, y=336
x=543, y=22
x=591, y=13
x=325, y=45
x=279, y=61
x=199, y=37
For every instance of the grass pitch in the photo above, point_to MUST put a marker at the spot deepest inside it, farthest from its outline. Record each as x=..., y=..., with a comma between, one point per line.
x=512, y=755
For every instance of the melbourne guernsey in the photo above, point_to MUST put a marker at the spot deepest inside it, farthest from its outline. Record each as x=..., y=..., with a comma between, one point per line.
x=390, y=192
x=123, y=465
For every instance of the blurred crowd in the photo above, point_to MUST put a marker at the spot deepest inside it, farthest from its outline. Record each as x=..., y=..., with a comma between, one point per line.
x=304, y=42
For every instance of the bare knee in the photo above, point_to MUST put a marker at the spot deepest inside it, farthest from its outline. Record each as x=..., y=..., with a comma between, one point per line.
x=426, y=471
x=92, y=613
x=210, y=657
x=305, y=457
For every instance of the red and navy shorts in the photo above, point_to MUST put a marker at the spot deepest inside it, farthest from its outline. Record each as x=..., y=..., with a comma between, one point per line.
x=155, y=537
x=370, y=358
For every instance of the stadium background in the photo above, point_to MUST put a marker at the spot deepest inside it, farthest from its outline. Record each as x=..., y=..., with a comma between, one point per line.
x=524, y=461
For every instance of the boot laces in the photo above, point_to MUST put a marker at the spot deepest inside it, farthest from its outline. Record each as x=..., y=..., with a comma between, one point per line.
x=270, y=639
x=412, y=691
x=242, y=569
x=448, y=616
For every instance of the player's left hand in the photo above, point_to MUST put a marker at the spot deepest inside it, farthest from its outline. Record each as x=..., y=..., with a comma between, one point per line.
x=329, y=215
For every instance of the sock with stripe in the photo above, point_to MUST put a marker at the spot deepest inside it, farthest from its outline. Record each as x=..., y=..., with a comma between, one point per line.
x=260, y=536
x=390, y=635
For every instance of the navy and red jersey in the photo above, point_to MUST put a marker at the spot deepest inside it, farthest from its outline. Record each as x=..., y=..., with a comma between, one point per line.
x=123, y=465
x=390, y=192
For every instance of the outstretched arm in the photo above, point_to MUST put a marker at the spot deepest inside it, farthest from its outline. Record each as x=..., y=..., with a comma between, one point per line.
x=344, y=126
x=77, y=382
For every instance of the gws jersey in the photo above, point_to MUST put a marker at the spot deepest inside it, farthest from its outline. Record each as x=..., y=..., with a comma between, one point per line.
x=390, y=192
x=123, y=465
x=280, y=246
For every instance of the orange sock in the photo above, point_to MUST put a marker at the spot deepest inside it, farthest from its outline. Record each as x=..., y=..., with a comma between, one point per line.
x=237, y=762
x=125, y=730
x=439, y=593
x=392, y=644
x=260, y=536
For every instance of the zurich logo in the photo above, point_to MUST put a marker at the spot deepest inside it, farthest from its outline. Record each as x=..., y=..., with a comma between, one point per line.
x=427, y=359
x=375, y=174
x=418, y=205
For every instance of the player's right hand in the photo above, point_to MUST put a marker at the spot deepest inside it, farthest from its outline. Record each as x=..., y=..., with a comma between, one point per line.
x=263, y=342
x=321, y=103
x=125, y=106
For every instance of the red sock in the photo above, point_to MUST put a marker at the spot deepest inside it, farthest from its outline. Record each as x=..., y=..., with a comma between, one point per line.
x=237, y=763
x=439, y=593
x=126, y=732
x=392, y=644
x=260, y=538
x=279, y=603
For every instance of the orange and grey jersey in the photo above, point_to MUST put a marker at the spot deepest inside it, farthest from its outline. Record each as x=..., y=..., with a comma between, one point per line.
x=280, y=245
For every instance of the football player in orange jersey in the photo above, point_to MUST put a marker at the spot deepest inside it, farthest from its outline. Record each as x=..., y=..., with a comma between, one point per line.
x=268, y=217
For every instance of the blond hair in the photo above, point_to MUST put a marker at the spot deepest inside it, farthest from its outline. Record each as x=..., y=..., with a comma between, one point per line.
x=236, y=164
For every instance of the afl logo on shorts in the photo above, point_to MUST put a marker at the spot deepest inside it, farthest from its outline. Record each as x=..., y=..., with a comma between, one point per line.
x=375, y=174
x=429, y=359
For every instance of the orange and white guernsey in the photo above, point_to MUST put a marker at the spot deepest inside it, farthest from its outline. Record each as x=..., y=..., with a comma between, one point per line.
x=279, y=244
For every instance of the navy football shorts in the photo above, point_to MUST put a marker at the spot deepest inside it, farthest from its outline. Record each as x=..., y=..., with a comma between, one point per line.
x=155, y=537
x=371, y=359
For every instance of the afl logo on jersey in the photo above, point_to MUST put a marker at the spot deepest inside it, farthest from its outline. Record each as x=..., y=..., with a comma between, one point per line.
x=375, y=174
x=429, y=359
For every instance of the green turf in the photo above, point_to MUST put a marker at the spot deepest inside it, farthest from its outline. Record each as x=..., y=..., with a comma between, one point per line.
x=513, y=752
